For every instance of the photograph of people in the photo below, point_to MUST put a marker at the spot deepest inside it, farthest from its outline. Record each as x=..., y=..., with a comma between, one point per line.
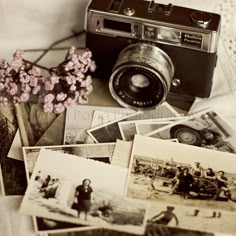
x=83, y=197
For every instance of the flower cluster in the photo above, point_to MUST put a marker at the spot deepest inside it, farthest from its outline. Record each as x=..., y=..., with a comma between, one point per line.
x=68, y=84
x=17, y=81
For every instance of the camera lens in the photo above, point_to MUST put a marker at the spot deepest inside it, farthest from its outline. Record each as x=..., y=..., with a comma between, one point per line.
x=141, y=77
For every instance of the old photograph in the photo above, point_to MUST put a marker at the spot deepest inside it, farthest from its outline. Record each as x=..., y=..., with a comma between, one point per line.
x=111, y=131
x=128, y=129
x=174, y=173
x=79, y=119
x=100, y=118
x=100, y=152
x=80, y=194
x=13, y=172
x=49, y=137
x=15, y=151
x=2, y=190
x=8, y=126
x=33, y=122
x=146, y=126
x=121, y=154
x=204, y=129
x=192, y=218
x=151, y=230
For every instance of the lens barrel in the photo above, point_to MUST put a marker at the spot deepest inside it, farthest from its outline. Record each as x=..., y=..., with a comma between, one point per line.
x=141, y=77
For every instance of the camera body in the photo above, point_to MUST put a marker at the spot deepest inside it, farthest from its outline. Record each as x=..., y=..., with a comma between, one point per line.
x=177, y=45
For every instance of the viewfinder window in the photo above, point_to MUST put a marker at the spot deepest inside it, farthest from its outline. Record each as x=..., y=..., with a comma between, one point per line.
x=117, y=25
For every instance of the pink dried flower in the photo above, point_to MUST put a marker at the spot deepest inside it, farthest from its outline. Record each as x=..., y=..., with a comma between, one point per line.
x=85, y=58
x=70, y=79
x=92, y=66
x=1, y=86
x=69, y=102
x=73, y=87
x=17, y=59
x=83, y=98
x=59, y=108
x=24, y=78
x=48, y=107
x=61, y=97
x=48, y=85
x=89, y=89
x=69, y=66
x=3, y=64
x=35, y=71
x=85, y=83
x=25, y=88
x=49, y=98
x=54, y=79
x=24, y=97
x=13, y=89
x=33, y=81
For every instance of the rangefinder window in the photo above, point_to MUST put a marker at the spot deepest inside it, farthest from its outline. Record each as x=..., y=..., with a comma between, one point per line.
x=117, y=25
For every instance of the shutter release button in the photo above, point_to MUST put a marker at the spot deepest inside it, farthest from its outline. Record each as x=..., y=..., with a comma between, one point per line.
x=200, y=18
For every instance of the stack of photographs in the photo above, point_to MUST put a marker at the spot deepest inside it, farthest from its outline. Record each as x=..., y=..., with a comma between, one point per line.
x=119, y=172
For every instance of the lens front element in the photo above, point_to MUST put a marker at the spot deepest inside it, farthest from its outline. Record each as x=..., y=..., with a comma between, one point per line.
x=141, y=77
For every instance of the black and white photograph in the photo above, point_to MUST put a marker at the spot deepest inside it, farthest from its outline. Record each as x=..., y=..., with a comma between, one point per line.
x=191, y=218
x=81, y=195
x=204, y=129
x=100, y=152
x=80, y=118
x=33, y=122
x=174, y=173
x=128, y=128
x=13, y=172
x=112, y=131
x=15, y=150
x=49, y=137
x=100, y=118
x=121, y=154
x=8, y=126
x=146, y=126
x=2, y=191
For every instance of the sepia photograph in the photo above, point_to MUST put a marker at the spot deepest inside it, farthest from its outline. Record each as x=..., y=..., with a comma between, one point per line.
x=49, y=137
x=99, y=152
x=100, y=118
x=15, y=150
x=174, y=173
x=151, y=230
x=110, y=131
x=145, y=127
x=79, y=194
x=204, y=129
x=121, y=154
x=79, y=119
x=2, y=191
x=128, y=128
x=191, y=218
x=33, y=122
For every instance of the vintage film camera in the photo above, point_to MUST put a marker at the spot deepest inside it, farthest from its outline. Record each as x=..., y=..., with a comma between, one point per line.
x=147, y=50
